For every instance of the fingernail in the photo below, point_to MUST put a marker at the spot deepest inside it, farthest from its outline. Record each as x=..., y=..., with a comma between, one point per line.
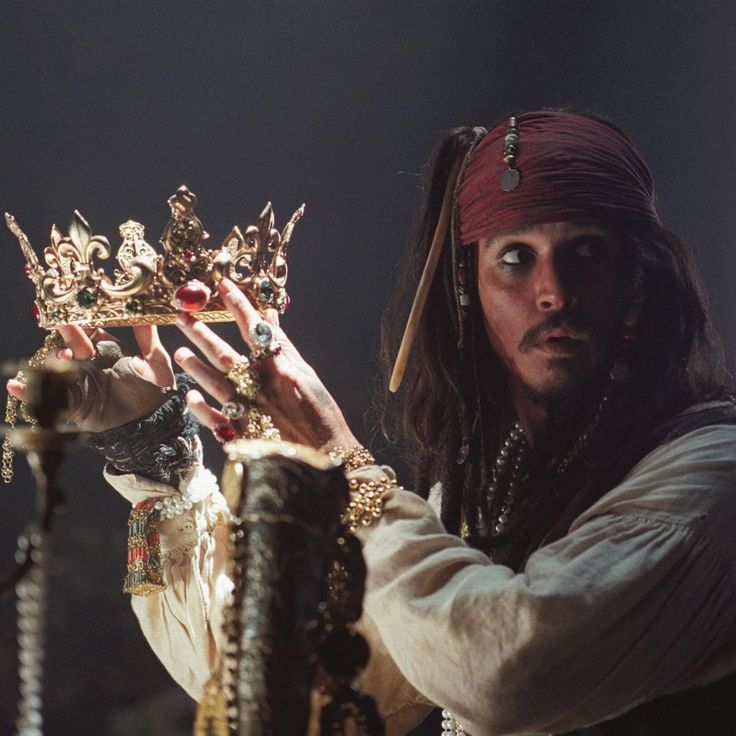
x=183, y=319
x=226, y=286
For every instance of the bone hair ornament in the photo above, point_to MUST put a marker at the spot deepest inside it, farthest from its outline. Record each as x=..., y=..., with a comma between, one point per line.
x=151, y=288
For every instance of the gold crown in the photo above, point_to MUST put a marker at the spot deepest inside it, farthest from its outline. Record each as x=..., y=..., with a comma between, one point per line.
x=151, y=288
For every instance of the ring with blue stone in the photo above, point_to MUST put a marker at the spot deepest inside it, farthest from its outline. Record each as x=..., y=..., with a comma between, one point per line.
x=261, y=334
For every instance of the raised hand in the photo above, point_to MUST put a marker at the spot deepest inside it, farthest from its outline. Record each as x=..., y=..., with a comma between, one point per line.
x=116, y=385
x=291, y=392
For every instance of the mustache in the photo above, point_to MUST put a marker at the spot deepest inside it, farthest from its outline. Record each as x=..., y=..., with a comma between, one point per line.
x=555, y=321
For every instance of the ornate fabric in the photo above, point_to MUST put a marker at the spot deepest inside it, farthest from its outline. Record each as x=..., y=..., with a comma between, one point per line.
x=572, y=167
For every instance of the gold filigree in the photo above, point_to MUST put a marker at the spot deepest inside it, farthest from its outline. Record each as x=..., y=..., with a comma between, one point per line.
x=150, y=287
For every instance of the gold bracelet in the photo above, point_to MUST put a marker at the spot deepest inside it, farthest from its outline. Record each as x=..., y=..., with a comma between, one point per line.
x=352, y=457
x=144, y=551
x=366, y=502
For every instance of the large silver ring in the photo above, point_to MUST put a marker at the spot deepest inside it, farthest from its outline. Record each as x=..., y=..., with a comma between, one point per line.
x=233, y=410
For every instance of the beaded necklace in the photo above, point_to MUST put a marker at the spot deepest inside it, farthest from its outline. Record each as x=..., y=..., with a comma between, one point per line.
x=508, y=463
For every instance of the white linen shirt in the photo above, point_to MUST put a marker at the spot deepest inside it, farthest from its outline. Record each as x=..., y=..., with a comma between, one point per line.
x=638, y=600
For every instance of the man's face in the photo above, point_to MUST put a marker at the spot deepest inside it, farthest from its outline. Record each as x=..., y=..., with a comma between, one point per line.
x=552, y=298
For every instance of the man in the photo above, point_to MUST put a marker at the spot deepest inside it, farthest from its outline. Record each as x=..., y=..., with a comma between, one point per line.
x=565, y=414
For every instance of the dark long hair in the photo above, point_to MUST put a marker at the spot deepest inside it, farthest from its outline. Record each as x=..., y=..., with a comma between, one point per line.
x=678, y=359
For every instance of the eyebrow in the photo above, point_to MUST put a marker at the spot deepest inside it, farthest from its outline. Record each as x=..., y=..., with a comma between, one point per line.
x=520, y=235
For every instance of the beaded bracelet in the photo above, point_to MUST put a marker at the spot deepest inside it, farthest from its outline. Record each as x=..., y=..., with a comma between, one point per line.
x=366, y=502
x=352, y=457
x=144, y=551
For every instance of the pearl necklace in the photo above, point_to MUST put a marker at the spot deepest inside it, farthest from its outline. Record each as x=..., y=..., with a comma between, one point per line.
x=450, y=726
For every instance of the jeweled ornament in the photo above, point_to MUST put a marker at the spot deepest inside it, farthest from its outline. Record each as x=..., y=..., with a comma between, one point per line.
x=262, y=333
x=192, y=296
x=86, y=298
x=224, y=432
x=266, y=290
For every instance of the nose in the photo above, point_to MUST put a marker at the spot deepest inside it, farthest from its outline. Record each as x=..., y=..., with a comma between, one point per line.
x=551, y=291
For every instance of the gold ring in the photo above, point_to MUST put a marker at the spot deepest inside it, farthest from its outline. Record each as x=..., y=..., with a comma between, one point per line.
x=244, y=379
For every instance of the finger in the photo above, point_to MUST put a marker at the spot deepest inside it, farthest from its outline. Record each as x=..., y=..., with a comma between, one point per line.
x=78, y=342
x=17, y=389
x=222, y=356
x=212, y=381
x=246, y=315
x=272, y=316
x=98, y=334
x=154, y=362
x=148, y=339
x=205, y=414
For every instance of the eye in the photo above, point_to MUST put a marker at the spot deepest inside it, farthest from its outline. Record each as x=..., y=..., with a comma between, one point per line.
x=590, y=248
x=516, y=255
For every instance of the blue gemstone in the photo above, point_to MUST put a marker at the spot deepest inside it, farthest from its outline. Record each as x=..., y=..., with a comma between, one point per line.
x=262, y=333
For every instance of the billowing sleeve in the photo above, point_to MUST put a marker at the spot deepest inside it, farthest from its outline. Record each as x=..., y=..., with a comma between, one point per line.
x=183, y=623
x=637, y=601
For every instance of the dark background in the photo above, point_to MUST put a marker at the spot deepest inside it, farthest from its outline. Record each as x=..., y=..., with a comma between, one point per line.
x=108, y=106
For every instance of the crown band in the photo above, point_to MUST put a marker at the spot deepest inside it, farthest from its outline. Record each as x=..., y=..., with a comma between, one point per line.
x=151, y=288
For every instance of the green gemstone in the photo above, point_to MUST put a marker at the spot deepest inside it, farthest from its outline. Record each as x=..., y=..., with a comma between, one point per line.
x=266, y=291
x=86, y=298
x=55, y=313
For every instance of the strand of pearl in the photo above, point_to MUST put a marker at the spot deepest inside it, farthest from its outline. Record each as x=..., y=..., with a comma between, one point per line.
x=450, y=725
x=173, y=506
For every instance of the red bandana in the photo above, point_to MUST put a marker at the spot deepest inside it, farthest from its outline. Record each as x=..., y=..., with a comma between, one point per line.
x=572, y=168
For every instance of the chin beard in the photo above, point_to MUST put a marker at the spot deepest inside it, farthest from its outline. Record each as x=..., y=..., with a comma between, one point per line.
x=570, y=397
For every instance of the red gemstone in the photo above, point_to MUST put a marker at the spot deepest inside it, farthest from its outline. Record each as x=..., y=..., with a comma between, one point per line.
x=287, y=301
x=36, y=314
x=192, y=296
x=189, y=254
x=27, y=269
x=224, y=432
